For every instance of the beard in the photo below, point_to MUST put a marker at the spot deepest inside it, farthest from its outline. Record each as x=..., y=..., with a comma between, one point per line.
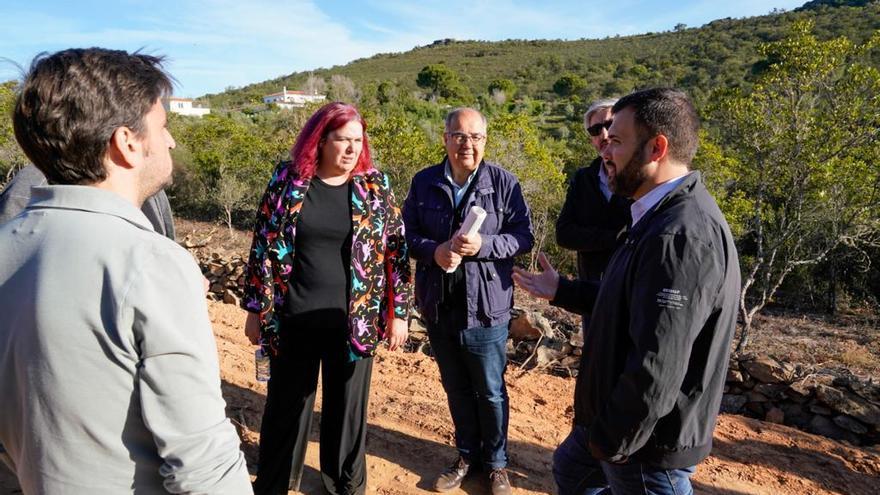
x=153, y=178
x=627, y=180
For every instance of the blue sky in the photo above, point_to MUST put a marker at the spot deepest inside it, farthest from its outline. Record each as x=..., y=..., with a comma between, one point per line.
x=214, y=44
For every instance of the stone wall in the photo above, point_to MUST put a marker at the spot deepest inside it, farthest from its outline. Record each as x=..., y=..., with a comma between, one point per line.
x=827, y=401
x=225, y=275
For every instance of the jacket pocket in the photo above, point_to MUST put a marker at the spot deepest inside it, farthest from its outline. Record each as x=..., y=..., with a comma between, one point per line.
x=497, y=286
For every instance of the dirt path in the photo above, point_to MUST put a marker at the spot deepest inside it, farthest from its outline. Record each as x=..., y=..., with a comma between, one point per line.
x=410, y=436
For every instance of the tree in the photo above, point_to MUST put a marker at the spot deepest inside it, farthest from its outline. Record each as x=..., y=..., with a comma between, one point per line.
x=400, y=148
x=801, y=151
x=11, y=156
x=343, y=89
x=386, y=92
x=223, y=163
x=443, y=82
x=315, y=85
x=569, y=84
x=515, y=143
x=502, y=86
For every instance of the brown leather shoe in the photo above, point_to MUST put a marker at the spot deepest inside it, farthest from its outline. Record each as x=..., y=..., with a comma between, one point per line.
x=451, y=478
x=500, y=482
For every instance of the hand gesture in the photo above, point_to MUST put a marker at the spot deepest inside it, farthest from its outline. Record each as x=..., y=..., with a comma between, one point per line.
x=542, y=285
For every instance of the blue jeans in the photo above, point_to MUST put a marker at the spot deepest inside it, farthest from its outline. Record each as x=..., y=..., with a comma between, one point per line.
x=472, y=363
x=578, y=473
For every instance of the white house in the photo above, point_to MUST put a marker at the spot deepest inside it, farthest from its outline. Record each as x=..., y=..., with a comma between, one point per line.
x=292, y=99
x=184, y=106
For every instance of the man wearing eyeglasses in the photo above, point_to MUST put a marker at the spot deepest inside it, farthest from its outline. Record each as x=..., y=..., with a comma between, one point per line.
x=592, y=217
x=464, y=289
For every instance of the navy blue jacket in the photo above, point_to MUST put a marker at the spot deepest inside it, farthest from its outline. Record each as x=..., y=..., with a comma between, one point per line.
x=507, y=231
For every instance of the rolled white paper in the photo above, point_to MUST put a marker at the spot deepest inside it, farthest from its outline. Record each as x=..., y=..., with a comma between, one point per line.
x=473, y=222
x=471, y=225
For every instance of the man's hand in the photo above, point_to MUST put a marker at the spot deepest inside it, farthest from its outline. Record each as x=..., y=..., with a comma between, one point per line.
x=396, y=332
x=446, y=258
x=467, y=245
x=252, y=327
x=542, y=285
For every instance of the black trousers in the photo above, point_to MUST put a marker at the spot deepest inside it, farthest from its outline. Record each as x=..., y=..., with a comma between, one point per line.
x=288, y=413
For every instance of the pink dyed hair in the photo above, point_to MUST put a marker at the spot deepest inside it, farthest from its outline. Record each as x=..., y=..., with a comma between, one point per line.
x=327, y=119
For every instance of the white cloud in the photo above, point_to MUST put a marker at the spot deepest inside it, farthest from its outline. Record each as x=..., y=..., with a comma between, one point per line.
x=213, y=44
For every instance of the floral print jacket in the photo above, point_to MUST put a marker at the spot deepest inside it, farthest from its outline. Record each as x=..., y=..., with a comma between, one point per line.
x=380, y=271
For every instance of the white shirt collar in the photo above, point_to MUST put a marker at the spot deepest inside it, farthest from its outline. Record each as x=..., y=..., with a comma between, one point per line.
x=458, y=191
x=646, y=202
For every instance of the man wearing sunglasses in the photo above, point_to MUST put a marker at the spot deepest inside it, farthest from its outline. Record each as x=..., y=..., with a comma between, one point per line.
x=464, y=289
x=655, y=358
x=593, y=217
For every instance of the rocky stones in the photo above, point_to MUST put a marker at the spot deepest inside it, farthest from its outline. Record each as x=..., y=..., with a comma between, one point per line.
x=775, y=415
x=850, y=404
x=529, y=325
x=734, y=376
x=225, y=276
x=732, y=404
x=848, y=423
x=829, y=402
x=230, y=297
x=551, y=350
x=768, y=370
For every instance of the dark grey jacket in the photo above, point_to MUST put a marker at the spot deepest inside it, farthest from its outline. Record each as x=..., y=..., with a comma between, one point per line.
x=17, y=194
x=428, y=215
x=655, y=356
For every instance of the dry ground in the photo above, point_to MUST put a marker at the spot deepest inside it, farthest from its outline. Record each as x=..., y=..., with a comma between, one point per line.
x=410, y=437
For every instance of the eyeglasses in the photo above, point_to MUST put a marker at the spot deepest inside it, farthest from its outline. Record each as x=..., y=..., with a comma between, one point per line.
x=596, y=129
x=461, y=137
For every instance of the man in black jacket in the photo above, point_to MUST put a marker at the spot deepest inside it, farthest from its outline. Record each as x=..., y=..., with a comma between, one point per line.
x=593, y=217
x=652, y=373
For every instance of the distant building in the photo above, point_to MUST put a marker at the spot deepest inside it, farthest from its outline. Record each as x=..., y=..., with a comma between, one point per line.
x=292, y=99
x=184, y=106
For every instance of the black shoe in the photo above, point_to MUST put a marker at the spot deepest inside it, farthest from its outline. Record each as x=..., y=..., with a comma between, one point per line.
x=500, y=482
x=450, y=479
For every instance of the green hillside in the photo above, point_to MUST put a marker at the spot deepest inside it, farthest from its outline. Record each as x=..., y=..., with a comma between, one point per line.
x=790, y=104
x=721, y=53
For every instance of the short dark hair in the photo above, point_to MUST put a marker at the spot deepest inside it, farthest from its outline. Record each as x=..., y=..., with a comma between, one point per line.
x=669, y=112
x=71, y=102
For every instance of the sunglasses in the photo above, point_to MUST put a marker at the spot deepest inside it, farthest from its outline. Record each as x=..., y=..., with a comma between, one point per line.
x=596, y=129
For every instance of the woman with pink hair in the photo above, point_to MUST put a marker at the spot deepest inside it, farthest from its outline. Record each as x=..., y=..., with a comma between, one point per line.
x=327, y=280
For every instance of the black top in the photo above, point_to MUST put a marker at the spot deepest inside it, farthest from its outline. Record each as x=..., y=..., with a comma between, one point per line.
x=454, y=297
x=321, y=280
x=591, y=224
x=655, y=356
